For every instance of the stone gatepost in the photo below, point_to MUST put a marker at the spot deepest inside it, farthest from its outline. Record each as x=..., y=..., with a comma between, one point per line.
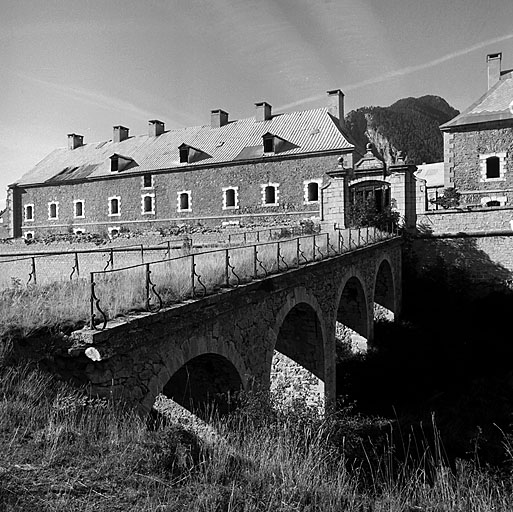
x=334, y=200
x=403, y=191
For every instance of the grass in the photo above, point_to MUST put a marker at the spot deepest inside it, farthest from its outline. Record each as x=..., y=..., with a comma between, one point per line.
x=61, y=450
x=24, y=310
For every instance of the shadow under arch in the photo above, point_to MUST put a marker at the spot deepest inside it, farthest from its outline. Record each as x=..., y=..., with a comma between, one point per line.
x=352, y=307
x=205, y=382
x=300, y=336
x=384, y=289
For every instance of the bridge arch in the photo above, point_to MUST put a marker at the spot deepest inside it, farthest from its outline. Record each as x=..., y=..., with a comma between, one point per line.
x=203, y=371
x=352, y=305
x=384, y=286
x=299, y=334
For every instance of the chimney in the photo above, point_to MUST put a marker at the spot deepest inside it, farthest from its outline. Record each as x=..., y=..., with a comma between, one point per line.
x=218, y=118
x=263, y=111
x=120, y=134
x=155, y=128
x=494, y=68
x=75, y=141
x=336, y=104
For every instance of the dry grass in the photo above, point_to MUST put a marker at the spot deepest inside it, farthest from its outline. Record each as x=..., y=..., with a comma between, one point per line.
x=51, y=306
x=61, y=450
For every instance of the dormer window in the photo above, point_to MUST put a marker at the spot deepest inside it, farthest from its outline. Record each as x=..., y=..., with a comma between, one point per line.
x=274, y=144
x=119, y=162
x=269, y=144
x=189, y=155
x=114, y=163
x=184, y=154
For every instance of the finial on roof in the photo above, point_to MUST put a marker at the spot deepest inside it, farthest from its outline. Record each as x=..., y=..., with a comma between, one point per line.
x=399, y=159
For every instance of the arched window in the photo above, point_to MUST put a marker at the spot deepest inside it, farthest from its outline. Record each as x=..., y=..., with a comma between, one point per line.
x=147, y=204
x=79, y=208
x=230, y=198
x=270, y=194
x=313, y=191
x=29, y=212
x=114, y=206
x=493, y=167
x=184, y=201
x=53, y=211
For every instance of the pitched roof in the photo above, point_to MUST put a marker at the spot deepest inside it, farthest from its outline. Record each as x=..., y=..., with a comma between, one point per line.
x=309, y=131
x=495, y=105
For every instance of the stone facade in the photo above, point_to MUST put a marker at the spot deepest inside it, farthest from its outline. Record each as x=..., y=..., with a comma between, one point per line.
x=206, y=186
x=465, y=155
x=229, y=338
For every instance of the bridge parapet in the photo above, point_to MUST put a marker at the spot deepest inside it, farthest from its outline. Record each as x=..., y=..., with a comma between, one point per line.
x=224, y=341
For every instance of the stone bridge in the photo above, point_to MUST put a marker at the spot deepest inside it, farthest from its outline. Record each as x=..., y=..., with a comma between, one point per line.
x=226, y=342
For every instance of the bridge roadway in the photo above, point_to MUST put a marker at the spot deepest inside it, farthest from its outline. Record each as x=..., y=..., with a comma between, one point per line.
x=224, y=342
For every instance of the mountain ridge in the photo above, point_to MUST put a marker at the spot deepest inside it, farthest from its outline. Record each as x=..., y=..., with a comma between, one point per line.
x=410, y=126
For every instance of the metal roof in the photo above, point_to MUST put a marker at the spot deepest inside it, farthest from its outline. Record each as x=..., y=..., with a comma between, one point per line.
x=495, y=105
x=309, y=131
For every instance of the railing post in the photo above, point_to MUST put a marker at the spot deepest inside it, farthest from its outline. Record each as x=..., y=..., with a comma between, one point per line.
x=111, y=258
x=245, y=237
x=229, y=238
x=255, y=275
x=227, y=267
x=349, y=243
x=168, y=249
x=339, y=243
x=367, y=242
x=278, y=256
x=313, y=247
x=76, y=264
x=147, y=287
x=34, y=270
x=91, y=301
x=142, y=253
x=258, y=236
x=192, y=274
x=327, y=245
x=297, y=250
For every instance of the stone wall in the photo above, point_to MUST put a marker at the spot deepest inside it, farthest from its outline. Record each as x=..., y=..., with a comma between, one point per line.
x=455, y=221
x=206, y=188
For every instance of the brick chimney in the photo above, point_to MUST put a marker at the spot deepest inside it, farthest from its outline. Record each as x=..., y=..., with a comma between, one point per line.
x=263, y=111
x=120, y=134
x=494, y=68
x=218, y=118
x=336, y=104
x=75, y=141
x=155, y=128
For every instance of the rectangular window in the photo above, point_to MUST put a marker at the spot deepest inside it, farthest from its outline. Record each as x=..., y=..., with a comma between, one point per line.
x=148, y=204
x=147, y=181
x=114, y=206
x=29, y=212
x=53, y=210
x=269, y=145
x=492, y=166
x=78, y=209
x=184, y=201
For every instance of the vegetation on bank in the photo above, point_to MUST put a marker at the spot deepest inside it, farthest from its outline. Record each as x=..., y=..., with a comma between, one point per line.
x=63, y=451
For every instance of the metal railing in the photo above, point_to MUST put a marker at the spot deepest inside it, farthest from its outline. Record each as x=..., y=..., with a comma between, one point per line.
x=150, y=286
x=68, y=265
x=268, y=234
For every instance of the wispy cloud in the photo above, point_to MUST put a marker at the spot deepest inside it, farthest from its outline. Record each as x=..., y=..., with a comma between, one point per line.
x=403, y=71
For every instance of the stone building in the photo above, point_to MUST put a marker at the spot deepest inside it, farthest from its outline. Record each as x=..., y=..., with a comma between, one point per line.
x=478, y=144
x=270, y=166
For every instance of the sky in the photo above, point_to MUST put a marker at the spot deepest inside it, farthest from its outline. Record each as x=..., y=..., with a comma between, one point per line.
x=84, y=66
